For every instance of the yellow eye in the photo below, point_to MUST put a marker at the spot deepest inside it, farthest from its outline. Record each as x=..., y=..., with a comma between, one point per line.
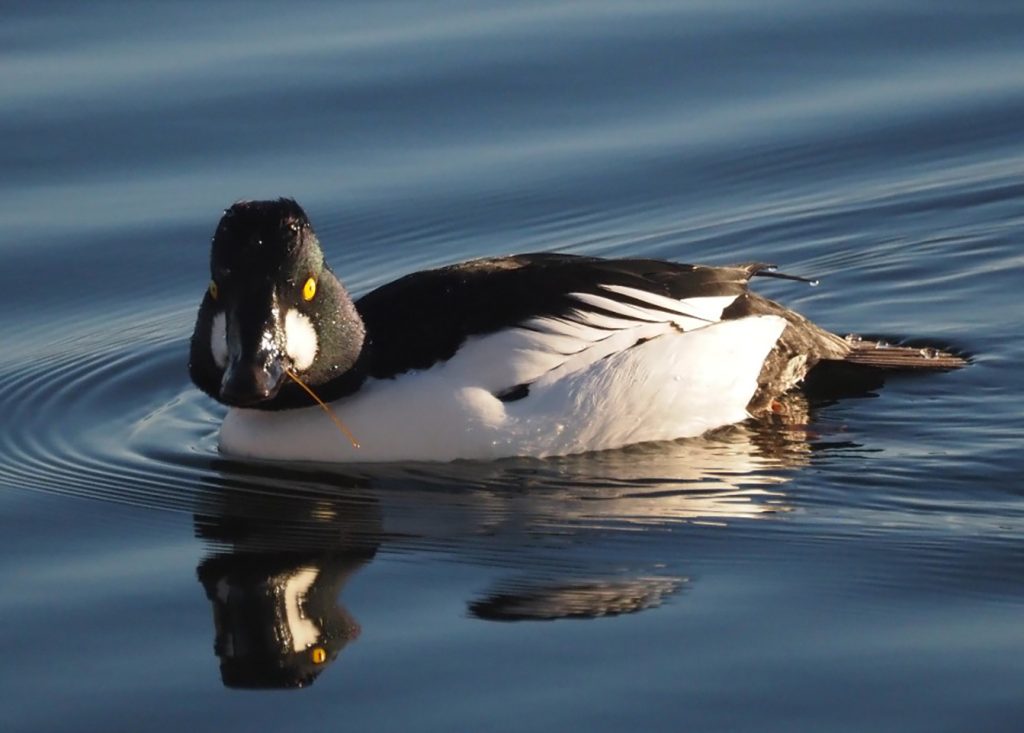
x=213, y=289
x=309, y=289
x=318, y=655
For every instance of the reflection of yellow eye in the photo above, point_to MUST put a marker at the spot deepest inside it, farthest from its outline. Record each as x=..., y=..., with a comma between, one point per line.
x=318, y=655
x=213, y=289
x=309, y=289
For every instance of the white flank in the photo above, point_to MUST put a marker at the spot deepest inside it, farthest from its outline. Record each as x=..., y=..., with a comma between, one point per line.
x=219, y=340
x=300, y=339
x=608, y=392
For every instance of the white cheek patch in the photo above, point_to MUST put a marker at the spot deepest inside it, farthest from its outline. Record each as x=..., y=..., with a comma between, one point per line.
x=300, y=339
x=219, y=340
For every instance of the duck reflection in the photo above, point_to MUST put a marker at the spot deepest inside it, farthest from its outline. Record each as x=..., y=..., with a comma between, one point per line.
x=527, y=600
x=274, y=581
x=580, y=537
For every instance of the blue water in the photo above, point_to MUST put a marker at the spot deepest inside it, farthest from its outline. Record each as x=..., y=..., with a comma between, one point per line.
x=857, y=569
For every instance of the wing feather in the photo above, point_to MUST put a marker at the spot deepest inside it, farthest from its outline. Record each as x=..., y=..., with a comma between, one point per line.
x=552, y=347
x=506, y=321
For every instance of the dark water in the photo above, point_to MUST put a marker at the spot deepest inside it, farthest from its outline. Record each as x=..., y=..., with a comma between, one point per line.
x=858, y=570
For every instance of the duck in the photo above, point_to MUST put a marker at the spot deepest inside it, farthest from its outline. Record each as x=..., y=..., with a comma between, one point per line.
x=539, y=354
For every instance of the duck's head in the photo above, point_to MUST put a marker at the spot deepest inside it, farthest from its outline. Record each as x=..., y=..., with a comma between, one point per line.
x=272, y=306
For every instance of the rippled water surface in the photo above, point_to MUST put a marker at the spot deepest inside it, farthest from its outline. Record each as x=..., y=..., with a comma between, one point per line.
x=856, y=566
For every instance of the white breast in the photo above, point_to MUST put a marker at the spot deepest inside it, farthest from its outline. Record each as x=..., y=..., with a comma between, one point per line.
x=591, y=388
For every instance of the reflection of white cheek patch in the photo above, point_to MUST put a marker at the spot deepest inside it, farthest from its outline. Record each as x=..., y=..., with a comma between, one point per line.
x=300, y=339
x=219, y=340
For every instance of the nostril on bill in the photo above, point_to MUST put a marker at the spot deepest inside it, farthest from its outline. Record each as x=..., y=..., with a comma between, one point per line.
x=248, y=384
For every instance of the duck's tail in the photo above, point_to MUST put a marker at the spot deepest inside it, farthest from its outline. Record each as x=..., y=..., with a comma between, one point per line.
x=879, y=354
x=863, y=351
x=866, y=363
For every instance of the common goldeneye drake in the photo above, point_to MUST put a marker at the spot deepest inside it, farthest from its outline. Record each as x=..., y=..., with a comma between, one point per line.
x=528, y=355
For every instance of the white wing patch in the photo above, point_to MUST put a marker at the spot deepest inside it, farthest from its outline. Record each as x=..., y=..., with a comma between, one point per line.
x=580, y=316
x=552, y=347
x=708, y=308
x=617, y=307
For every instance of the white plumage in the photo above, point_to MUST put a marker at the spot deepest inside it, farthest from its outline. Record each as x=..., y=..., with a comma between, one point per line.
x=669, y=371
